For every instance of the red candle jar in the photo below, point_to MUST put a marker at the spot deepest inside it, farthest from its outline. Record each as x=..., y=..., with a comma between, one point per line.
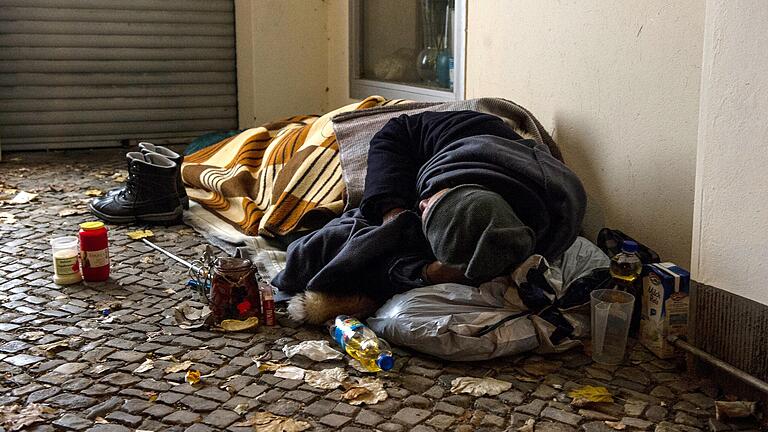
x=94, y=251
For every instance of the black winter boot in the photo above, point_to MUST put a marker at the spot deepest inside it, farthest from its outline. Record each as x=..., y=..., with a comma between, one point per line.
x=149, y=195
x=147, y=147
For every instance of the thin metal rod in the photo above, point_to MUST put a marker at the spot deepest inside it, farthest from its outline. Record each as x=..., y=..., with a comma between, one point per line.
x=170, y=255
x=709, y=358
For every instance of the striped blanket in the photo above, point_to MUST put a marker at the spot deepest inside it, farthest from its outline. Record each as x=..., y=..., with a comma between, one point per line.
x=276, y=179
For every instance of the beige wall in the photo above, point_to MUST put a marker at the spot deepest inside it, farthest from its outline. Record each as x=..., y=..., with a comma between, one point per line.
x=618, y=84
x=282, y=58
x=730, y=231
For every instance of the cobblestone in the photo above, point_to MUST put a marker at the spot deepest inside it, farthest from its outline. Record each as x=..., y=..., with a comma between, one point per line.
x=91, y=375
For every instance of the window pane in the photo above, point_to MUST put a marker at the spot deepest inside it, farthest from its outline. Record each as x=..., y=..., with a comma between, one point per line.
x=408, y=42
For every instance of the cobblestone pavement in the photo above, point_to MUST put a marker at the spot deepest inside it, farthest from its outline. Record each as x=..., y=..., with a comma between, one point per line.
x=91, y=383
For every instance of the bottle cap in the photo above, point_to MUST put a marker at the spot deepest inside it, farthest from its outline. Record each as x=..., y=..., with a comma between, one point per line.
x=385, y=361
x=629, y=246
x=90, y=226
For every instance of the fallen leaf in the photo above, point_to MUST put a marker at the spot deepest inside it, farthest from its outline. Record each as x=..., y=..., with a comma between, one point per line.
x=120, y=176
x=16, y=418
x=327, y=379
x=71, y=211
x=50, y=349
x=734, y=409
x=188, y=316
x=100, y=420
x=94, y=192
x=356, y=365
x=366, y=390
x=264, y=421
x=528, y=426
x=147, y=365
x=479, y=386
x=290, y=372
x=591, y=394
x=269, y=366
x=178, y=367
x=140, y=234
x=22, y=198
x=151, y=396
x=615, y=425
x=241, y=409
x=99, y=369
x=192, y=377
x=7, y=218
x=232, y=325
x=148, y=259
x=318, y=350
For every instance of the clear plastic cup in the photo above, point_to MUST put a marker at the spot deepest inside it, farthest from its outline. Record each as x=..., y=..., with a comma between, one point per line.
x=611, y=316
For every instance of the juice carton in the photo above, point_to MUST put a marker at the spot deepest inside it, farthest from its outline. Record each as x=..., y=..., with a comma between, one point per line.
x=665, y=307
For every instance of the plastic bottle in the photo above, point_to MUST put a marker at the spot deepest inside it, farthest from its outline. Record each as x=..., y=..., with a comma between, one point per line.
x=94, y=251
x=626, y=265
x=362, y=344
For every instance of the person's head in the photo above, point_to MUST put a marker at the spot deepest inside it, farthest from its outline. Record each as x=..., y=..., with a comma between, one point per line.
x=475, y=230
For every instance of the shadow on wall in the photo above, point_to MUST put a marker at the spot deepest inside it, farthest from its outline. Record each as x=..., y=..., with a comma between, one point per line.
x=571, y=139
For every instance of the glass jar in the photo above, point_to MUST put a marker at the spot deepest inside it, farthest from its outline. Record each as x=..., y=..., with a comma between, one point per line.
x=234, y=290
x=66, y=265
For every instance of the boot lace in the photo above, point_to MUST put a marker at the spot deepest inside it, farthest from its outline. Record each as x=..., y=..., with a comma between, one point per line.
x=131, y=184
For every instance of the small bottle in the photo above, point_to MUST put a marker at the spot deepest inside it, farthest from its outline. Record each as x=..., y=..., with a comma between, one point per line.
x=362, y=344
x=66, y=267
x=626, y=266
x=94, y=251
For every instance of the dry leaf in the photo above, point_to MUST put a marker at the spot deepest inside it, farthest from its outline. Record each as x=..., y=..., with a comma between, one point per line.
x=591, y=394
x=364, y=391
x=269, y=366
x=120, y=176
x=327, y=379
x=100, y=420
x=148, y=259
x=31, y=335
x=267, y=422
x=192, y=377
x=151, y=396
x=241, y=409
x=178, y=367
x=22, y=197
x=232, y=325
x=528, y=426
x=147, y=365
x=16, y=418
x=479, y=386
x=356, y=365
x=615, y=425
x=318, y=350
x=94, y=192
x=734, y=409
x=99, y=369
x=52, y=348
x=290, y=372
x=71, y=211
x=7, y=218
x=140, y=234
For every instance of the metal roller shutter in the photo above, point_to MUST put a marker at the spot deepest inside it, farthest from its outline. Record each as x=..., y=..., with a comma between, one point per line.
x=94, y=73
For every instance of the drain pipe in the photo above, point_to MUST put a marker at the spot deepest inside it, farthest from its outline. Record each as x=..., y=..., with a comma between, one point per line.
x=709, y=358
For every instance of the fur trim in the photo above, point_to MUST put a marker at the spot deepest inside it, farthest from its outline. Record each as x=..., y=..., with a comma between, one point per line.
x=316, y=307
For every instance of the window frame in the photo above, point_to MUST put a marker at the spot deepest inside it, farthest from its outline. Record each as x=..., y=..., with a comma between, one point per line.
x=360, y=88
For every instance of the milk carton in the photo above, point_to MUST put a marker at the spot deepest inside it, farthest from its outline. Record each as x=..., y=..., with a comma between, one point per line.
x=665, y=307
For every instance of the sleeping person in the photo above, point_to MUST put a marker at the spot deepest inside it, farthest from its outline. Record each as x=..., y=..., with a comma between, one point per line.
x=453, y=196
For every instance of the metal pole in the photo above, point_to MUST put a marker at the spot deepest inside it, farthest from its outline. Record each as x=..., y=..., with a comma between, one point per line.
x=709, y=358
x=170, y=255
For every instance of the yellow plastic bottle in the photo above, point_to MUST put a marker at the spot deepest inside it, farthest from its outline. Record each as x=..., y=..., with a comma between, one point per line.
x=362, y=344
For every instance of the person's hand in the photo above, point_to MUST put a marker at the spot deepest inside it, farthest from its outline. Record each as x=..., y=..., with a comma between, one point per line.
x=437, y=273
x=388, y=216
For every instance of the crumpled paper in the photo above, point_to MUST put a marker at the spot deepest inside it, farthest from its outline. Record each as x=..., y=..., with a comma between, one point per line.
x=327, y=379
x=318, y=350
x=479, y=386
x=178, y=367
x=367, y=391
x=147, y=365
x=290, y=372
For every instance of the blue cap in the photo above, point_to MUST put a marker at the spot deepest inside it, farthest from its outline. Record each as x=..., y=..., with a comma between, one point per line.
x=385, y=361
x=629, y=246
